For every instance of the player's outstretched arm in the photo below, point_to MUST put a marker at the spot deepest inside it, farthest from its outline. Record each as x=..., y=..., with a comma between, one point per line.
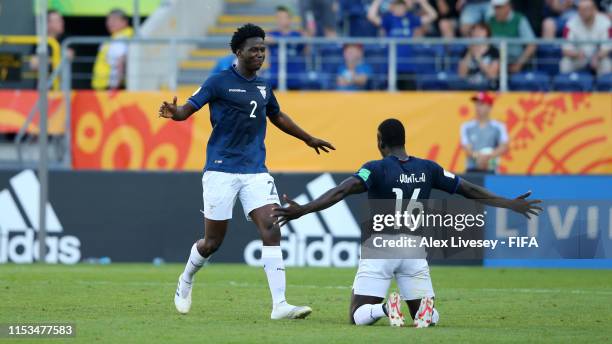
x=175, y=112
x=521, y=204
x=349, y=186
x=283, y=122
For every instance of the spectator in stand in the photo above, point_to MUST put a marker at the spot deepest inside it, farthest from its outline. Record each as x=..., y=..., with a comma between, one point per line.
x=354, y=17
x=472, y=13
x=109, y=68
x=483, y=139
x=318, y=17
x=448, y=15
x=400, y=23
x=558, y=13
x=55, y=25
x=55, y=29
x=354, y=74
x=589, y=24
x=510, y=24
x=480, y=64
x=295, y=52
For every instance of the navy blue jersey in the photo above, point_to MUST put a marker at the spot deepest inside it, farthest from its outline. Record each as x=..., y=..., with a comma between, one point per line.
x=239, y=108
x=414, y=178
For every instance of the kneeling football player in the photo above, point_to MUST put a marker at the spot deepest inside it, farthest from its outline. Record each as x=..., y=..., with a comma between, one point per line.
x=381, y=180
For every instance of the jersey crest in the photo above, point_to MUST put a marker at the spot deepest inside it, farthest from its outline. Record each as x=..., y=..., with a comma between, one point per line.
x=262, y=90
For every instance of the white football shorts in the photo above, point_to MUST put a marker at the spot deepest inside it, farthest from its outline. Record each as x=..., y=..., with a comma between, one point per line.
x=220, y=190
x=412, y=275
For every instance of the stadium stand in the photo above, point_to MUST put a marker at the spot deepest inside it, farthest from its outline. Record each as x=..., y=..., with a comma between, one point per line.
x=314, y=66
x=236, y=12
x=573, y=82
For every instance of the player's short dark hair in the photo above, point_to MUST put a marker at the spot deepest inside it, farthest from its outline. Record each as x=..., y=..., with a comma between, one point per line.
x=53, y=11
x=392, y=133
x=245, y=32
x=399, y=2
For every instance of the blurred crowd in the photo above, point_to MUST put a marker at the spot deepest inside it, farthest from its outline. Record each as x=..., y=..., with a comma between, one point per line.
x=110, y=63
x=361, y=66
x=564, y=67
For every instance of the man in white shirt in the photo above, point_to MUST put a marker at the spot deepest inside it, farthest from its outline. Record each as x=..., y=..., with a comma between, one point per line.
x=589, y=24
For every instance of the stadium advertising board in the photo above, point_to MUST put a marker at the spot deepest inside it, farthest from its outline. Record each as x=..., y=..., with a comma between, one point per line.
x=567, y=133
x=140, y=216
x=15, y=105
x=574, y=230
x=552, y=133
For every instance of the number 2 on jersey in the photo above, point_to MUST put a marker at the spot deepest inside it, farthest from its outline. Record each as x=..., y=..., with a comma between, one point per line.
x=254, y=104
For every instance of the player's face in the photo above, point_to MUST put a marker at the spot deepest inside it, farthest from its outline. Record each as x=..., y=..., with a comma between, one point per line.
x=253, y=53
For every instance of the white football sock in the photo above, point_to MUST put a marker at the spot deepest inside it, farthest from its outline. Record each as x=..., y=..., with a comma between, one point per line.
x=195, y=263
x=368, y=314
x=272, y=257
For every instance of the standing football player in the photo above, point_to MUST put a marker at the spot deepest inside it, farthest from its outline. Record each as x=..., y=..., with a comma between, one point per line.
x=381, y=179
x=240, y=104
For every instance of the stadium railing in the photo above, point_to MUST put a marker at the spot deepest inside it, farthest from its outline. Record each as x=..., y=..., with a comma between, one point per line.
x=312, y=63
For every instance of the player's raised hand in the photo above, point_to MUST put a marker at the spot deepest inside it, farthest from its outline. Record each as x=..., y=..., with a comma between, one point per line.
x=320, y=144
x=168, y=110
x=286, y=214
x=525, y=206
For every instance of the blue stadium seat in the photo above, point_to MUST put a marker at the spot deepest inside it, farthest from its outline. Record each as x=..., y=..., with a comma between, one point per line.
x=604, y=83
x=548, y=57
x=312, y=81
x=296, y=69
x=377, y=56
x=454, y=54
x=425, y=57
x=530, y=81
x=331, y=57
x=573, y=82
x=457, y=50
x=441, y=81
x=471, y=85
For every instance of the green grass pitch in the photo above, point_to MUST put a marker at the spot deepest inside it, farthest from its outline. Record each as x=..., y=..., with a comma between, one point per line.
x=133, y=303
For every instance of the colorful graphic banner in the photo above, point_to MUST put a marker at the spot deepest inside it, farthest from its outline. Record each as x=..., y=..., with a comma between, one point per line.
x=552, y=133
x=15, y=105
